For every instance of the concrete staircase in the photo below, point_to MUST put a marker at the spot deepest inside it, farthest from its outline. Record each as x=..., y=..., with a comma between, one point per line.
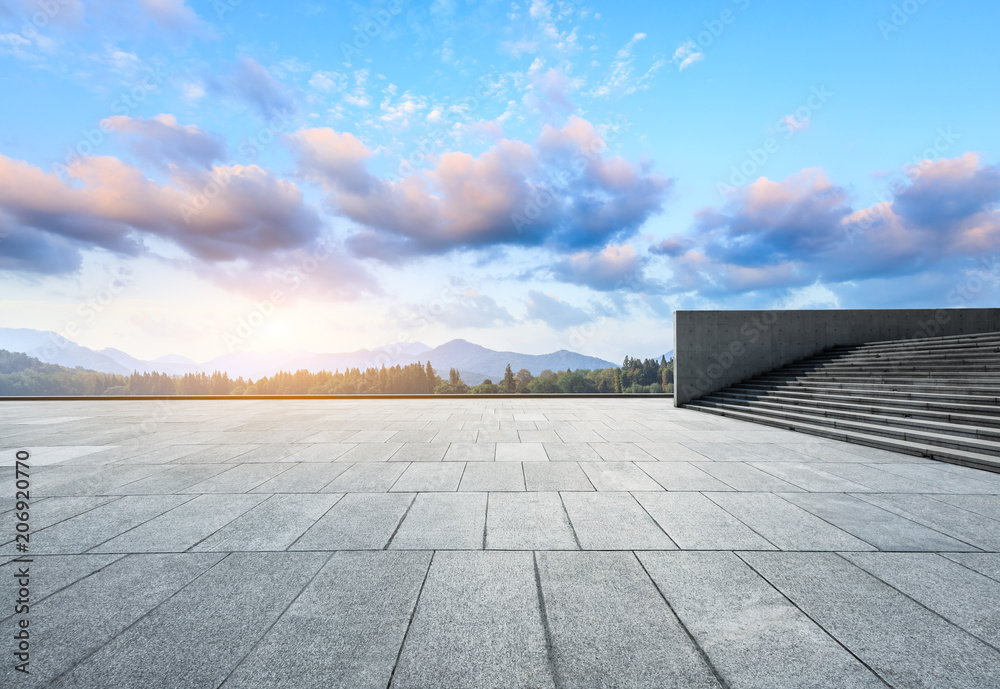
x=936, y=397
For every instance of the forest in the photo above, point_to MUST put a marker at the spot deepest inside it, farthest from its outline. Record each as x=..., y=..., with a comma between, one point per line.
x=22, y=375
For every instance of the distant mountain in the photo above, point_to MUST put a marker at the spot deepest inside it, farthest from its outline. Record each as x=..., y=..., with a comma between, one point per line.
x=52, y=348
x=465, y=355
x=474, y=362
x=254, y=364
x=133, y=364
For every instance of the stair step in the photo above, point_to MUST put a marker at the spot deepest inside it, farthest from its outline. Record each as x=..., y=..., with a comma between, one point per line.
x=936, y=397
x=944, y=454
x=974, y=415
x=990, y=434
x=913, y=435
x=985, y=393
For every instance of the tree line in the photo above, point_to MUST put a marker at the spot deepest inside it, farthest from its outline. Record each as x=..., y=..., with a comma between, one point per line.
x=22, y=375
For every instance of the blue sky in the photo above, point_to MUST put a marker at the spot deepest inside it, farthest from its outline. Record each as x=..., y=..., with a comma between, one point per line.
x=204, y=177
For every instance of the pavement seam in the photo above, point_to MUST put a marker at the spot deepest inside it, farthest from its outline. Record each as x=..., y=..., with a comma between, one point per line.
x=569, y=519
x=705, y=495
x=651, y=517
x=486, y=518
x=156, y=516
x=936, y=497
x=878, y=507
x=550, y=651
x=409, y=622
x=400, y=522
x=812, y=619
x=701, y=651
x=39, y=601
x=908, y=516
x=919, y=603
x=137, y=620
x=292, y=544
x=276, y=619
x=968, y=567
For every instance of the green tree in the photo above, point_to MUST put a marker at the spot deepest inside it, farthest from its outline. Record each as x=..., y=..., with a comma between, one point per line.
x=509, y=383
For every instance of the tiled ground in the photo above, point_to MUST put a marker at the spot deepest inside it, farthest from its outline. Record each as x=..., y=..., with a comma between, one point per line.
x=489, y=543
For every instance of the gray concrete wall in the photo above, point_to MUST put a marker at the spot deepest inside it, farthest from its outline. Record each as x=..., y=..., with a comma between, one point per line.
x=715, y=349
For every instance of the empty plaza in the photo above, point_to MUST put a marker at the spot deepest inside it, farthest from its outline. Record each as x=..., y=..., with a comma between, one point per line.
x=472, y=542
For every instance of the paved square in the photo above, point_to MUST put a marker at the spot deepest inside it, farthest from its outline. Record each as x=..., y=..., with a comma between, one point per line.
x=488, y=543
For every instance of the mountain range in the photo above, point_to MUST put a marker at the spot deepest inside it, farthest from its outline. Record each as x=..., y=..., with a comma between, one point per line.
x=474, y=362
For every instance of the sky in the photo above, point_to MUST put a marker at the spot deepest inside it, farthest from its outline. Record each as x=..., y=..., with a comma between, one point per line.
x=198, y=177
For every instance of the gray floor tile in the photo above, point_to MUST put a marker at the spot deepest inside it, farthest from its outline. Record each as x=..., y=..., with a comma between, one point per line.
x=753, y=636
x=681, y=476
x=237, y=600
x=182, y=527
x=787, y=526
x=904, y=642
x=613, y=521
x=420, y=452
x=366, y=478
x=471, y=452
x=478, y=624
x=968, y=527
x=443, y=521
x=308, y=477
x=85, y=531
x=528, y=521
x=82, y=618
x=439, y=476
x=694, y=522
x=809, y=477
x=610, y=627
x=322, y=452
x=881, y=528
x=618, y=476
x=239, y=479
x=58, y=572
x=960, y=595
x=359, y=521
x=370, y=452
x=621, y=452
x=344, y=630
x=744, y=477
x=987, y=564
x=571, y=452
x=274, y=524
x=493, y=476
x=555, y=476
x=521, y=452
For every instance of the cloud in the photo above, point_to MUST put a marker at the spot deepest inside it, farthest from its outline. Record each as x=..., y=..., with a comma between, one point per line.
x=553, y=312
x=160, y=140
x=789, y=234
x=253, y=83
x=612, y=269
x=672, y=246
x=28, y=250
x=947, y=192
x=794, y=124
x=687, y=54
x=107, y=204
x=622, y=80
x=562, y=191
x=173, y=16
x=548, y=89
x=469, y=310
x=542, y=29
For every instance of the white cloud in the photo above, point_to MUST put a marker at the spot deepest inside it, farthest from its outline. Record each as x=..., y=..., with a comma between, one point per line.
x=622, y=79
x=686, y=55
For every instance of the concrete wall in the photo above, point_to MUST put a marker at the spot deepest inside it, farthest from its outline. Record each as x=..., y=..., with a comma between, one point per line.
x=715, y=349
